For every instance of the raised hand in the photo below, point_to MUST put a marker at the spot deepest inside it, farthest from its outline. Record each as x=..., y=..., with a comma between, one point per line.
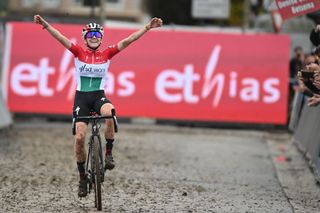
x=155, y=22
x=314, y=100
x=39, y=20
x=316, y=84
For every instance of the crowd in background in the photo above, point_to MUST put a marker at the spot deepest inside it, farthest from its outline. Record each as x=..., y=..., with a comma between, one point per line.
x=305, y=71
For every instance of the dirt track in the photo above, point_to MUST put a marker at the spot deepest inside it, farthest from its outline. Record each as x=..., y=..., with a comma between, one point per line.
x=159, y=169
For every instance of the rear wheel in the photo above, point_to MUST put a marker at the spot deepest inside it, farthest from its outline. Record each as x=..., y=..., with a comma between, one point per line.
x=97, y=175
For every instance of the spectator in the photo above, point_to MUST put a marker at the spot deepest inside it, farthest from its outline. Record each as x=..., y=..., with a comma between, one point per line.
x=317, y=54
x=296, y=63
x=306, y=82
x=310, y=86
x=308, y=79
x=310, y=59
x=315, y=99
x=315, y=36
x=300, y=90
x=309, y=76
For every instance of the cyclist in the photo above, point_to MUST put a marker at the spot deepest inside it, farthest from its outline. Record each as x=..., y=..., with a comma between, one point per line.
x=91, y=65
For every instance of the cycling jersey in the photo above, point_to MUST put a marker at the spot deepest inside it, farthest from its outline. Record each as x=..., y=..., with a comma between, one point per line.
x=92, y=67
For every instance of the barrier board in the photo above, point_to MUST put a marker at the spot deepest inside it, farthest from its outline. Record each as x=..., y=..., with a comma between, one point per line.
x=167, y=74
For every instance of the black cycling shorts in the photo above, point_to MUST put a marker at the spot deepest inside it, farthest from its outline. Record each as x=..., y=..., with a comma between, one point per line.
x=86, y=102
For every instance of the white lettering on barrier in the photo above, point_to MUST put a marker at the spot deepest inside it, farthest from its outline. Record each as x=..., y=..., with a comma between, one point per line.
x=66, y=74
x=44, y=71
x=174, y=80
x=125, y=80
x=110, y=84
x=28, y=79
x=190, y=78
x=274, y=93
x=169, y=79
x=233, y=84
x=210, y=81
x=250, y=91
x=174, y=86
x=26, y=73
x=171, y=86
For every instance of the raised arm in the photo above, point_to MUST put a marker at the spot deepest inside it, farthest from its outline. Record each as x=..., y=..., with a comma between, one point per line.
x=54, y=32
x=155, y=22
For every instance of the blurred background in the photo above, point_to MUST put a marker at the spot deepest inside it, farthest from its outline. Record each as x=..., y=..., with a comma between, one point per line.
x=228, y=64
x=237, y=17
x=254, y=15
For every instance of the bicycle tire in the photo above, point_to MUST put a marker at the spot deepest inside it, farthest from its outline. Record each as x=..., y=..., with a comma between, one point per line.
x=97, y=163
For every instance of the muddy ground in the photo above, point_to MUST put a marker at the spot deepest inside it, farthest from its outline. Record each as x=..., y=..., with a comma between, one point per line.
x=159, y=169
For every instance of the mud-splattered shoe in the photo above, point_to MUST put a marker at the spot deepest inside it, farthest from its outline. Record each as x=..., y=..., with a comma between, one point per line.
x=109, y=162
x=83, y=188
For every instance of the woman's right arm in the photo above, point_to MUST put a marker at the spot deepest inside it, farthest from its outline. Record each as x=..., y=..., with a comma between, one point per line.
x=54, y=32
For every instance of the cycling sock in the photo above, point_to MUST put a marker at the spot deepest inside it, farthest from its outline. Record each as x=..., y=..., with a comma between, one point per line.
x=109, y=146
x=82, y=170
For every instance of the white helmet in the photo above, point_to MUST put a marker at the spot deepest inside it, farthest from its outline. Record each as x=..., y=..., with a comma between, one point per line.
x=92, y=27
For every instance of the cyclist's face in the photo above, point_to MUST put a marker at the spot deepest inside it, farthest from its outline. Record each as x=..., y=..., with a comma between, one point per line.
x=93, y=39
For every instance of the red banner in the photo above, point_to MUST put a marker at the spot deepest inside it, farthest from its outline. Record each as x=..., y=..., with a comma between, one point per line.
x=292, y=8
x=166, y=74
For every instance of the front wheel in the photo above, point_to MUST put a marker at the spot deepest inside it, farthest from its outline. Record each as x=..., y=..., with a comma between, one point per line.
x=97, y=172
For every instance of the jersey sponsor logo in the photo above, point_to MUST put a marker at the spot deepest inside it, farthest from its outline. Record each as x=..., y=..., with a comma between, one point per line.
x=91, y=70
x=86, y=69
x=77, y=110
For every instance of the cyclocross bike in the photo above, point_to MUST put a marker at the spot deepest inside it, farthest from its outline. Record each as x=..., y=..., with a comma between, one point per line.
x=95, y=162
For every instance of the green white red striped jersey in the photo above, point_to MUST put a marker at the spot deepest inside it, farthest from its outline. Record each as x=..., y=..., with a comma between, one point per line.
x=92, y=66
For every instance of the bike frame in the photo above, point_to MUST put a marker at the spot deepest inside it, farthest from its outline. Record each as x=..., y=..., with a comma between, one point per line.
x=95, y=133
x=96, y=172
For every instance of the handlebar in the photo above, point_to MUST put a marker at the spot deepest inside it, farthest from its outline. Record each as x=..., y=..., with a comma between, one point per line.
x=94, y=118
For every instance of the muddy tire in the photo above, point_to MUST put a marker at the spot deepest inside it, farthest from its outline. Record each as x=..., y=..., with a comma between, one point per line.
x=96, y=166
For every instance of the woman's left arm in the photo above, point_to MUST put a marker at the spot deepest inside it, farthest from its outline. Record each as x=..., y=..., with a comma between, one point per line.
x=155, y=22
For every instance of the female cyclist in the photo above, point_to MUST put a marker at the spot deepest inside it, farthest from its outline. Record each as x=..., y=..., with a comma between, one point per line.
x=91, y=65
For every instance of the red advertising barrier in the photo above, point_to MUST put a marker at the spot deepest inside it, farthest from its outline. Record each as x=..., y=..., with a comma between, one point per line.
x=166, y=74
x=292, y=8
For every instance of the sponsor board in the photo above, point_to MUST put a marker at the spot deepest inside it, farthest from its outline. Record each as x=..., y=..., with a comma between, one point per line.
x=292, y=8
x=166, y=74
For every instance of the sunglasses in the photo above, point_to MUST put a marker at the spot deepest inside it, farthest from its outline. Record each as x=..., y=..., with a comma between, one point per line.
x=92, y=34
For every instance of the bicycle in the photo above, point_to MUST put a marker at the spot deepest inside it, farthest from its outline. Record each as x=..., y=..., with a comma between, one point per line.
x=95, y=163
